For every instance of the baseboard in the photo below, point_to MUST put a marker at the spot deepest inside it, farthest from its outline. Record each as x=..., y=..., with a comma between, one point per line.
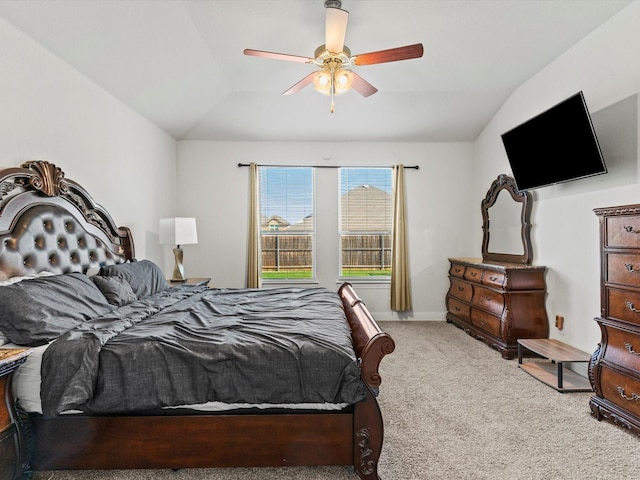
x=410, y=316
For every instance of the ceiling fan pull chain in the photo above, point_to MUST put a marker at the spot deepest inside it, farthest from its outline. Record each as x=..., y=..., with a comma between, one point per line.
x=333, y=86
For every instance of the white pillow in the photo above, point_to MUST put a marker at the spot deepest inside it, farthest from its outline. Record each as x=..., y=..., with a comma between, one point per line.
x=12, y=280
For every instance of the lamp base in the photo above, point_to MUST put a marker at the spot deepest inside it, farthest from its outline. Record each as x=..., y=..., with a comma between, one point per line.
x=178, y=269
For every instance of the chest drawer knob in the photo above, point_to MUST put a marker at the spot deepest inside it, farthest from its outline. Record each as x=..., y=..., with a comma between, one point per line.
x=630, y=268
x=630, y=349
x=633, y=397
x=629, y=229
x=631, y=307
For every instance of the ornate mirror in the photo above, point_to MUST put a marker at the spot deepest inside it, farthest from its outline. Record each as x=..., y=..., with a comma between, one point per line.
x=506, y=223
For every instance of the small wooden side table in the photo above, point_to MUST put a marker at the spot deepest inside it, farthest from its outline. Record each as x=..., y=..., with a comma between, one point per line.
x=14, y=457
x=554, y=374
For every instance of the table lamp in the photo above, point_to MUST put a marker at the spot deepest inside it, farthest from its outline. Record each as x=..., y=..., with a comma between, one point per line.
x=178, y=231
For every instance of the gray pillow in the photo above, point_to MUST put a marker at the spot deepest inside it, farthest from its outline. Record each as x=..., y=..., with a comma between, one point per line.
x=145, y=277
x=37, y=311
x=116, y=290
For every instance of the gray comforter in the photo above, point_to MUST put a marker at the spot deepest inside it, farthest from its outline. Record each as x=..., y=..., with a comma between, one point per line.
x=190, y=345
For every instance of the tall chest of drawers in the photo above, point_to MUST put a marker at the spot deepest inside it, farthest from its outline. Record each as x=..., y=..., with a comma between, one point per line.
x=614, y=370
x=497, y=302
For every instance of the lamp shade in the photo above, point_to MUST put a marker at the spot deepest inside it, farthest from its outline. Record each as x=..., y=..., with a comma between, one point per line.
x=178, y=231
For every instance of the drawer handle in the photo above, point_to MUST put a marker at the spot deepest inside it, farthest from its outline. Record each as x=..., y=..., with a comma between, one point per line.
x=458, y=309
x=487, y=298
x=634, y=396
x=630, y=268
x=631, y=307
x=473, y=274
x=458, y=270
x=629, y=347
x=629, y=229
x=493, y=279
x=460, y=289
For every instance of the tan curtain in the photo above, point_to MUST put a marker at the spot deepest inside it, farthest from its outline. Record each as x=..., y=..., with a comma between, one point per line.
x=400, y=278
x=253, y=255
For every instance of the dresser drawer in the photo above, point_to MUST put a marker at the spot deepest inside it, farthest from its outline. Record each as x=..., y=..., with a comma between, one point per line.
x=621, y=389
x=493, y=278
x=623, y=305
x=488, y=300
x=458, y=308
x=623, y=348
x=623, y=269
x=461, y=290
x=456, y=270
x=623, y=231
x=486, y=321
x=473, y=274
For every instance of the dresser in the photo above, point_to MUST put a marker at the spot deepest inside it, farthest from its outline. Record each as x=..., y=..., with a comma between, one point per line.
x=13, y=449
x=498, y=302
x=614, y=370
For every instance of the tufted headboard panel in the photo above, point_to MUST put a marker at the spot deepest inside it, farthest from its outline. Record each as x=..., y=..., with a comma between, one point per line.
x=49, y=223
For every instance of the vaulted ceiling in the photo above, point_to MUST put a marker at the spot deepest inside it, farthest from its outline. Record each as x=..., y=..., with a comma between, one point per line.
x=181, y=64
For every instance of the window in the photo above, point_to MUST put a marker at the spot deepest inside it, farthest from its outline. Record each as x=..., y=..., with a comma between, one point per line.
x=365, y=222
x=287, y=227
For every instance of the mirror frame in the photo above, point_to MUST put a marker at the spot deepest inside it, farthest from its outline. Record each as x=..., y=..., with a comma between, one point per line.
x=508, y=184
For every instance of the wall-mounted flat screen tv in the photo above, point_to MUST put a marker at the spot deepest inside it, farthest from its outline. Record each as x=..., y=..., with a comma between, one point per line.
x=558, y=145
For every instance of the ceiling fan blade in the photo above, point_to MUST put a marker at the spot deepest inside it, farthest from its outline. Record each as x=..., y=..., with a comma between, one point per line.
x=335, y=29
x=391, y=55
x=361, y=86
x=278, y=56
x=300, y=85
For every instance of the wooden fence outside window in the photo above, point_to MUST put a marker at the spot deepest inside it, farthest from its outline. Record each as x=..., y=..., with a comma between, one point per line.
x=282, y=253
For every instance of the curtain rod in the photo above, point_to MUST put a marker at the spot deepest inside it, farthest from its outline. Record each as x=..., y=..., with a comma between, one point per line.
x=414, y=167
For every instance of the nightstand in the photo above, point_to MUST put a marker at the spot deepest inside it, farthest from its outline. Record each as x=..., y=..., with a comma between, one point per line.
x=192, y=281
x=14, y=459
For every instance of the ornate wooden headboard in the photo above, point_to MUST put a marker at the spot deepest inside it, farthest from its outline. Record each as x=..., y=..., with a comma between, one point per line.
x=50, y=223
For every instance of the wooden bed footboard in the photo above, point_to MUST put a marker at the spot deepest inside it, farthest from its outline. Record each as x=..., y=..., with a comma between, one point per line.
x=350, y=437
x=369, y=341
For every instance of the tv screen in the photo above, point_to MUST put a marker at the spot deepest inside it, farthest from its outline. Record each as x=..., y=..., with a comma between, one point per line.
x=556, y=146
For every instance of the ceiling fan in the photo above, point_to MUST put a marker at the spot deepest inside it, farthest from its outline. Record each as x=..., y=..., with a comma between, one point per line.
x=334, y=56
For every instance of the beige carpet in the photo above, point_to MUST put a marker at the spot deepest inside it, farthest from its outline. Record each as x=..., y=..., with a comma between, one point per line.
x=454, y=409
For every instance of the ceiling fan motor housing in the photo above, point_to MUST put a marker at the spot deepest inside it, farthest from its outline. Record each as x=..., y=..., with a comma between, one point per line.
x=333, y=4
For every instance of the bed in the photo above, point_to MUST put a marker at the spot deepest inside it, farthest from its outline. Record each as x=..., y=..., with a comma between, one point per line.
x=55, y=238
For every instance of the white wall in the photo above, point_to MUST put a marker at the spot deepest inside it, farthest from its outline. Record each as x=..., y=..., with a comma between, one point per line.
x=213, y=189
x=51, y=112
x=605, y=67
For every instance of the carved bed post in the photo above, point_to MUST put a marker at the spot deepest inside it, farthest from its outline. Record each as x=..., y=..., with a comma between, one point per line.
x=368, y=436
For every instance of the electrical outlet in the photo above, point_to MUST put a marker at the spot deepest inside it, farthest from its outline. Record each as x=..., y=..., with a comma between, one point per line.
x=559, y=322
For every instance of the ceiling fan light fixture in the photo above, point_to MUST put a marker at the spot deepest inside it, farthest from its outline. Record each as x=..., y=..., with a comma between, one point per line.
x=342, y=80
x=322, y=82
